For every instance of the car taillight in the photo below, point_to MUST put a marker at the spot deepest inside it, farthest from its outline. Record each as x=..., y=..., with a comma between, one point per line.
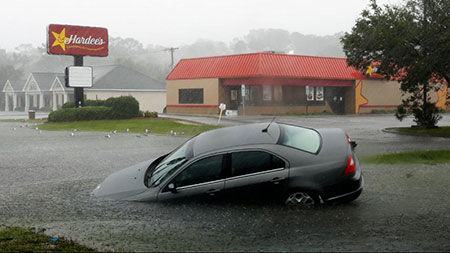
x=350, y=167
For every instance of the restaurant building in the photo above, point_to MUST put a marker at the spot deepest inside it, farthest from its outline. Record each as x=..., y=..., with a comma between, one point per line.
x=273, y=83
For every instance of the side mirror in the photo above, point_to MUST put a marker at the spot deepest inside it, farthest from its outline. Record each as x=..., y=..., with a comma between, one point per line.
x=172, y=188
x=353, y=144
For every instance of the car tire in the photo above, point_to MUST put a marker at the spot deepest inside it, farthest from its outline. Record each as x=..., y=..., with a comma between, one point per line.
x=301, y=198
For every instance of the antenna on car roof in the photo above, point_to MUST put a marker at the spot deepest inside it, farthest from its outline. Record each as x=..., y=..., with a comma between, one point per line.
x=267, y=128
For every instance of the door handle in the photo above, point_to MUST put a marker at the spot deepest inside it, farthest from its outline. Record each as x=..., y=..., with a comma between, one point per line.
x=212, y=191
x=276, y=180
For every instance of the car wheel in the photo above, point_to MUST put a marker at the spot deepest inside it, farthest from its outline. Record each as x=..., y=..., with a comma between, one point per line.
x=302, y=198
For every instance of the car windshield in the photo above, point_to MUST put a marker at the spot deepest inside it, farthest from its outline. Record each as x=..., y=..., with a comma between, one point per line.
x=300, y=138
x=171, y=163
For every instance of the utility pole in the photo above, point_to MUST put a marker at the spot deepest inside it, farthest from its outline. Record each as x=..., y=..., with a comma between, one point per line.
x=171, y=49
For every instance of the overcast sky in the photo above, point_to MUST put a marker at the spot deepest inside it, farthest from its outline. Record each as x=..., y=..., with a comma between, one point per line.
x=176, y=22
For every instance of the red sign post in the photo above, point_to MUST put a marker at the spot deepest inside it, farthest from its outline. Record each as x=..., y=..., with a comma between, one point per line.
x=77, y=40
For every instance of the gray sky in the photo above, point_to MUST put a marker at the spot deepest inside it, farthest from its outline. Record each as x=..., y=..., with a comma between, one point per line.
x=176, y=22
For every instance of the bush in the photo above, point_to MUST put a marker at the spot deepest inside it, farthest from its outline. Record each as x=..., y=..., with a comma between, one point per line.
x=87, y=102
x=112, y=108
x=123, y=107
x=68, y=105
x=148, y=114
x=83, y=113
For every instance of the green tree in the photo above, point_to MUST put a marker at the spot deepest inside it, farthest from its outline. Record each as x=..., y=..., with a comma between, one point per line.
x=410, y=43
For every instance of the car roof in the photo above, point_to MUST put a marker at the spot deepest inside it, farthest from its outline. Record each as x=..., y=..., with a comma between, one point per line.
x=236, y=136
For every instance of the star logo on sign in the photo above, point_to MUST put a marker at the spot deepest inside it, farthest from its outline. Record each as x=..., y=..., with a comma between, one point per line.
x=60, y=39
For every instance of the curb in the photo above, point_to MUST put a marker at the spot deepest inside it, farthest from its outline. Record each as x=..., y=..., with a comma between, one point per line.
x=394, y=130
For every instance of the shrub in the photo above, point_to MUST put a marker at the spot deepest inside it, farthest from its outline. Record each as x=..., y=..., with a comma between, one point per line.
x=87, y=102
x=148, y=114
x=69, y=104
x=125, y=107
x=83, y=113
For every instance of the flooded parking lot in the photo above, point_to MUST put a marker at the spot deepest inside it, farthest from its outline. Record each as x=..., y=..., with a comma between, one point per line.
x=46, y=179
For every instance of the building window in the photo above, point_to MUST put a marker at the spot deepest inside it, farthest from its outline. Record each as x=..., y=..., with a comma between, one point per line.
x=267, y=92
x=277, y=93
x=315, y=95
x=190, y=96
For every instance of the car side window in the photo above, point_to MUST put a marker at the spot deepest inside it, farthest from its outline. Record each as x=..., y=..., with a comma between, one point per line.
x=248, y=162
x=205, y=170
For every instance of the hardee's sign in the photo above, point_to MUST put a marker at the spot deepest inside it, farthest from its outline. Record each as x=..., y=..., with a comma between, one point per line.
x=77, y=40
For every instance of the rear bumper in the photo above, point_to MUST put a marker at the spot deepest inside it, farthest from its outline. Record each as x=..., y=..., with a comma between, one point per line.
x=343, y=189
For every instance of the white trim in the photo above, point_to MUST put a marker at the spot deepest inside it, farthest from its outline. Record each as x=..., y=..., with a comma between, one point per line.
x=41, y=100
x=57, y=82
x=14, y=101
x=27, y=84
x=6, y=102
x=126, y=90
x=7, y=83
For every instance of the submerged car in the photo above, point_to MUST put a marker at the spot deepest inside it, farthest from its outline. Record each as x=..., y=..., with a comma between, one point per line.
x=297, y=165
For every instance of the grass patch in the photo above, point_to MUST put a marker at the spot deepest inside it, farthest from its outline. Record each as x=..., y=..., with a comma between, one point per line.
x=158, y=126
x=24, y=120
x=21, y=239
x=424, y=157
x=435, y=132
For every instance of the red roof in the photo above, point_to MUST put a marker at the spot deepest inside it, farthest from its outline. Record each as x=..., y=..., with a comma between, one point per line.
x=265, y=65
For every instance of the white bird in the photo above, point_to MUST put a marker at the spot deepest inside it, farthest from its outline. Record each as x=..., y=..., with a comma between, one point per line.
x=14, y=129
x=72, y=134
x=128, y=130
x=108, y=136
x=37, y=128
x=171, y=132
x=114, y=132
x=146, y=131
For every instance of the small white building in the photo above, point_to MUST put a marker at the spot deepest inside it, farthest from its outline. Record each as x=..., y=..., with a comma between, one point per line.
x=47, y=91
x=60, y=93
x=38, y=93
x=14, y=97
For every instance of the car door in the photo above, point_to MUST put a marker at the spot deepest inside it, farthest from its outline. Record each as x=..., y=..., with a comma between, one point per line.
x=204, y=177
x=256, y=173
